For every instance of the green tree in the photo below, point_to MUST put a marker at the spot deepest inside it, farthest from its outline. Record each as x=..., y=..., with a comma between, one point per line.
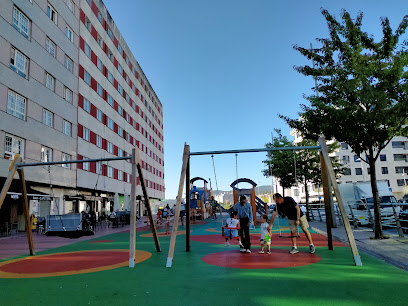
x=361, y=90
x=281, y=164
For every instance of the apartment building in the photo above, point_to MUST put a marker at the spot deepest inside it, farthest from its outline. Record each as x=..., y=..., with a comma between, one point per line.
x=392, y=166
x=70, y=88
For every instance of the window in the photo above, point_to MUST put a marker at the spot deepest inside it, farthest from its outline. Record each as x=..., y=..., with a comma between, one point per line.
x=127, y=98
x=110, y=100
x=51, y=13
x=19, y=62
x=400, y=157
x=134, y=142
x=127, y=79
x=85, y=165
x=87, y=78
x=127, y=117
x=99, y=115
x=120, y=152
x=16, y=105
x=68, y=95
x=110, y=123
x=21, y=23
x=87, y=105
x=110, y=147
x=87, y=50
x=384, y=170
x=86, y=134
x=368, y=171
x=99, y=41
x=110, y=55
x=49, y=81
x=110, y=171
x=99, y=89
x=127, y=60
x=13, y=145
x=68, y=63
x=401, y=170
x=66, y=127
x=346, y=158
x=344, y=146
x=120, y=69
x=110, y=34
x=383, y=157
x=47, y=117
x=127, y=137
x=120, y=49
x=110, y=77
x=69, y=34
x=46, y=154
x=88, y=24
x=127, y=177
x=120, y=110
x=120, y=175
x=98, y=141
x=402, y=182
x=99, y=168
x=397, y=144
x=100, y=17
x=120, y=89
x=50, y=47
x=357, y=159
x=99, y=64
x=120, y=131
x=359, y=171
x=70, y=5
x=66, y=157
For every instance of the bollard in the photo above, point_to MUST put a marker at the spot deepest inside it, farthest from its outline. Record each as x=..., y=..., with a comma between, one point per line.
x=397, y=221
x=355, y=224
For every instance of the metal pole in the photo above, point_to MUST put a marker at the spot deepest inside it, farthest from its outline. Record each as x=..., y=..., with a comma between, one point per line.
x=22, y=165
x=132, y=245
x=295, y=148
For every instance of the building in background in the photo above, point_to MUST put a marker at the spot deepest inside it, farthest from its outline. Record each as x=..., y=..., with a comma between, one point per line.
x=392, y=166
x=70, y=88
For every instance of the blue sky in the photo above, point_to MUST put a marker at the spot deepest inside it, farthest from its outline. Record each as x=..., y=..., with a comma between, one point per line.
x=223, y=70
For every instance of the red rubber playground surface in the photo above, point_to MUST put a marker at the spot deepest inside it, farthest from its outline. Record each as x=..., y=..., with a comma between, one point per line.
x=318, y=240
x=277, y=259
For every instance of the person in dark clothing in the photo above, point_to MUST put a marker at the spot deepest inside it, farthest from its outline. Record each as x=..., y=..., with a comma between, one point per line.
x=287, y=207
x=244, y=210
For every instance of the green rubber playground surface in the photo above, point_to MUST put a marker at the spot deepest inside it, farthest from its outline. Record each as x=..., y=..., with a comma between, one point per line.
x=333, y=280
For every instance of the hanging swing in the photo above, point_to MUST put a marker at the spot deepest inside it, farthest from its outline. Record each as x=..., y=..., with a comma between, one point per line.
x=74, y=223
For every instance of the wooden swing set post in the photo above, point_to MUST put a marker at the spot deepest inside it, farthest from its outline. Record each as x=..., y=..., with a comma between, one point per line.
x=326, y=159
x=188, y=205
x=170, y=256
x=327, y=206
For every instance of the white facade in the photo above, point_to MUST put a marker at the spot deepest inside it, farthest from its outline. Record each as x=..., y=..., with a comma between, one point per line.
x=392, y=165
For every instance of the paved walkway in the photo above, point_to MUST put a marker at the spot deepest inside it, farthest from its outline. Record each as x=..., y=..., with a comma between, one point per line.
x=393, y=250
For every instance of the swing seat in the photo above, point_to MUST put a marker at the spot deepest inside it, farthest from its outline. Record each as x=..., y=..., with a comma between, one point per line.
x=70, y=234
x=230, y=228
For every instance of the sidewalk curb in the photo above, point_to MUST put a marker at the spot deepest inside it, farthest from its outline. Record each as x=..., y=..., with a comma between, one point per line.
x=397, y=264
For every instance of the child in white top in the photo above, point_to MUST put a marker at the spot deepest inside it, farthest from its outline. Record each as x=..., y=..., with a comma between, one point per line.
x=266, y=235
x=232, y=233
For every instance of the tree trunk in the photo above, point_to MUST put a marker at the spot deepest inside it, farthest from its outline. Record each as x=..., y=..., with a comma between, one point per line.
x=377, y=211
x=307, y=201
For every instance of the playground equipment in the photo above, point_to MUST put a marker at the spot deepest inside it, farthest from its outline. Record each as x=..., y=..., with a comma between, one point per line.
x=258, y=206
x=327, y=175
x=18, y=166
x=199, y=197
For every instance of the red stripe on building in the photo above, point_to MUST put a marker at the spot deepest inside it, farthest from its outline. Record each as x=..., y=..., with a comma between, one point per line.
x=93, y=58
x=82, y=16
x=80, y=101
x=94, y=33
x=92, y=138
x=81, y=43
x=80, y=131
x=94, y=8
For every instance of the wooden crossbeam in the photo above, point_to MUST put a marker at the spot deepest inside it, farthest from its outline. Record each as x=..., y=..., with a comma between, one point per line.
x=170, y=256
x=332, y=177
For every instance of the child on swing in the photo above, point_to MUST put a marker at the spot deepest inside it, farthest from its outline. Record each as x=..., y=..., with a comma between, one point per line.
x=266, y=235
x=232, y=233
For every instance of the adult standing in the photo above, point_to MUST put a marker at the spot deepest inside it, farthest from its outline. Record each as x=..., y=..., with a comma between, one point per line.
x=182, y=211
x=244, y=210
x=286, y=206
x=214, y=205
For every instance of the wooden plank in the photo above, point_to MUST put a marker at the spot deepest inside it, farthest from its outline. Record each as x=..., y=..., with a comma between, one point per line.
x=132, y=245
x=147, y=201
x=332, y=177
x=170, y=256
x=26, y=211
x=9, y=180
x=327, y=206
x=188, y=242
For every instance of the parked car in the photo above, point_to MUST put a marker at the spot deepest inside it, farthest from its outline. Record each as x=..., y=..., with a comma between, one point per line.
x=403, y=216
